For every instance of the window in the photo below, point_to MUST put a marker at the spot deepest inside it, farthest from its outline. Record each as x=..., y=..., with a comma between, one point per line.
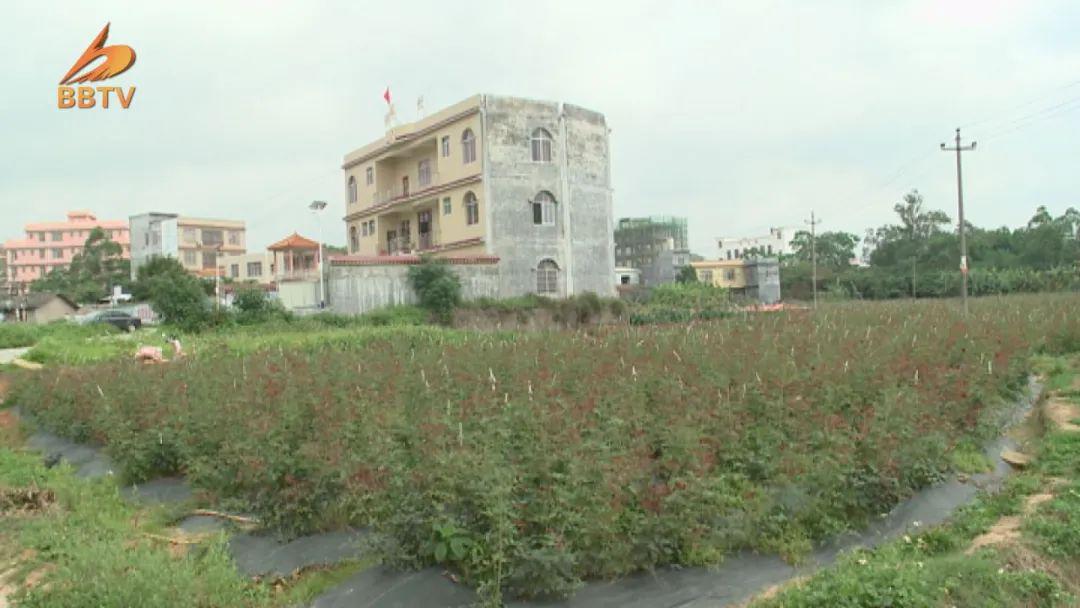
x=446, y=207
x=770, y=249
x=446, y=146
x=190, y=235
x=547, y=277
x=234, y=270
x=472, y=209
x=423, y=173
x=736, y=254
x=352, y=189
x=468, y=147
x=234, y=237
x=543, y=207
x=41, y=237
x=706, y=276
x=370, y=175
x=209, y=259
x=189, y=258
x=213, y=238
x=371, y=228
x=57, y=254
x=57, y=236
x=363, y=229
x=541, y=146
x=354, y=242
x=254, y=269
x=729, y=274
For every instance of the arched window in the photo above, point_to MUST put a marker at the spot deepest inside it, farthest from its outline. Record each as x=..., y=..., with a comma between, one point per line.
x=541, y=146
x=355, y=242
x=352, y=189
x=547, y=278
x=472, y=209
x=468, y=146
x=543, y=209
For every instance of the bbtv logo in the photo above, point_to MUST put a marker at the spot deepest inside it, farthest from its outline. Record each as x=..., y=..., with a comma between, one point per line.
x=118, y=59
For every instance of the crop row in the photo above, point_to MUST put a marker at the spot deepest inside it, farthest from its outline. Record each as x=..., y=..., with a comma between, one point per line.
x=531, y=462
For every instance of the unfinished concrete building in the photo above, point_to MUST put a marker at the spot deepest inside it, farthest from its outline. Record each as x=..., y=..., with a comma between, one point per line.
x=657, y=246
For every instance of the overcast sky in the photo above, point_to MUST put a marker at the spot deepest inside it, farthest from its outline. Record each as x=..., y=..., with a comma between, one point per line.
x=739, y=115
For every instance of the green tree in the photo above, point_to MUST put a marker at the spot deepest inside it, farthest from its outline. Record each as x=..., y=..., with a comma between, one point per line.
x=93, y=272
x=180, y=301
x=834, y=249
x=687, y=274
x=155, y=267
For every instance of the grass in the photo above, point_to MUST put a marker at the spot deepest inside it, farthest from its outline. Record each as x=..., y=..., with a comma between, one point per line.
x=91, y=549
x=969, y=458
x=18, y=335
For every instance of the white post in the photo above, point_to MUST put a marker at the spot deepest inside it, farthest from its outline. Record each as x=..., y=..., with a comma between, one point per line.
x=316, y=207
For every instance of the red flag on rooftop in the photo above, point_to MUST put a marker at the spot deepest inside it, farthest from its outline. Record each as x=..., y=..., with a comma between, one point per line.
x=386, y=95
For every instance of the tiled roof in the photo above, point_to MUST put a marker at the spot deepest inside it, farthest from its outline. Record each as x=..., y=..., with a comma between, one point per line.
x=405, y=260
x=33, y=301
x=294, y=241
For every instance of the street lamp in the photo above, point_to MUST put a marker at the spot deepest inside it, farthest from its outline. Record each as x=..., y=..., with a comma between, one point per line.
x=316, y=207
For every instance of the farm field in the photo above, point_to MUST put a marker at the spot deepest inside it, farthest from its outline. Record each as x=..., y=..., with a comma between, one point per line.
x=529, y=463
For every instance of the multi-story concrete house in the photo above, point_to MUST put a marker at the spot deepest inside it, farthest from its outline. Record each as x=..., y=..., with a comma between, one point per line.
x=50, y=245
x=196, y=242
x=522, y=184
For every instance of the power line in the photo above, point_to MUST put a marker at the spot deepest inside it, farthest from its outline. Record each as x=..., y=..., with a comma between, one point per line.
x=993, y=117
x=1060, y=111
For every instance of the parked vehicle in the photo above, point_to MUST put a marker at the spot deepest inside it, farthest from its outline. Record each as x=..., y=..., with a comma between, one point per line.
x=119, y=319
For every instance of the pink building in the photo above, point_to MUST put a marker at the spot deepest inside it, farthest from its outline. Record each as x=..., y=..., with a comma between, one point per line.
x=49, y=245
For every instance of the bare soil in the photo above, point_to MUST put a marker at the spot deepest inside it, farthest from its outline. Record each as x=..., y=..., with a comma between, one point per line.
x=1062, y=414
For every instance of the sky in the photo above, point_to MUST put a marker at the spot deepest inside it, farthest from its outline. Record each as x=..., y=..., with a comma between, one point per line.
x=738, y=115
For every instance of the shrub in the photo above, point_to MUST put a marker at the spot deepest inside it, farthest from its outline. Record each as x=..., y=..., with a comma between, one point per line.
x=548, y=458
x=437, y=287
x=180, y=301
x=253, y=306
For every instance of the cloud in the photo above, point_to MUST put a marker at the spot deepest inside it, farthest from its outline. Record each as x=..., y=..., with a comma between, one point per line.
x=738, y=115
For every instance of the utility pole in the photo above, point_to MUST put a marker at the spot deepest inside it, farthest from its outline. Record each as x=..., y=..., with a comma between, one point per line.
x=813, y=252
x=960, y=205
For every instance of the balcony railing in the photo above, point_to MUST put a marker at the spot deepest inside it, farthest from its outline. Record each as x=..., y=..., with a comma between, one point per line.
x=405, y=246
x=398, y=192
x=297, y=274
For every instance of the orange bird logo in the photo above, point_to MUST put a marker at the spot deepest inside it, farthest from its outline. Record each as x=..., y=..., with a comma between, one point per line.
x=118, y=59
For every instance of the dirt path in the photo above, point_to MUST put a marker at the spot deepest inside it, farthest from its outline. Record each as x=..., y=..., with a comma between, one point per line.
x=1060, y=414
x=7, y=355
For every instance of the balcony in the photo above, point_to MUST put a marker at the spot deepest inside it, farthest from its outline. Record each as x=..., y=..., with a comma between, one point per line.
x=407, y=246
x=399, y=191
x=297, y=274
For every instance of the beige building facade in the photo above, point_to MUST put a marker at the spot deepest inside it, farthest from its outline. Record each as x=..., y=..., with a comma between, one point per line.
x=523, y=181
x=755, y=278
x=197, y=243
x=419, y=189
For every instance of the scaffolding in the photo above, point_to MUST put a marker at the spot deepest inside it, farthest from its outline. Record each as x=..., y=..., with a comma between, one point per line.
x=639, y=240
